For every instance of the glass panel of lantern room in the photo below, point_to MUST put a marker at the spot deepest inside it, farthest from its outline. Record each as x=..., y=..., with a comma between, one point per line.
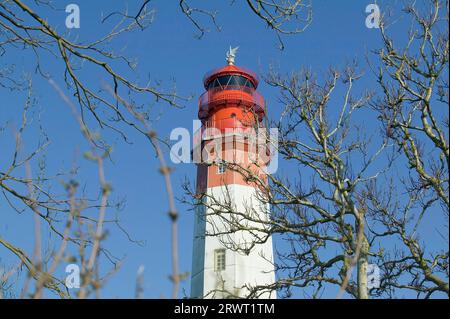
x=224, y=80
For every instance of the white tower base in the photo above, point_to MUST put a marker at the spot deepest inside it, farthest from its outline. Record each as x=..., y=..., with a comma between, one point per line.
x=218, y=270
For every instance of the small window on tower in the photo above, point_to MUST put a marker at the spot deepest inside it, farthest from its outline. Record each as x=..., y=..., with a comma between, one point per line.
x=221, y=167
x=219, y=260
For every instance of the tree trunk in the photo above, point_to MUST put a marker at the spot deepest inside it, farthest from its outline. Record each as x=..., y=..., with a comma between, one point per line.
x=362, y=269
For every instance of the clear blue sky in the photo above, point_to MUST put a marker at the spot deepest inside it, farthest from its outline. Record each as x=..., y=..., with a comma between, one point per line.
x=168, y=51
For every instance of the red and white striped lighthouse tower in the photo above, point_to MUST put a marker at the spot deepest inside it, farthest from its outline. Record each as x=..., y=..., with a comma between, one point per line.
x=229, y=257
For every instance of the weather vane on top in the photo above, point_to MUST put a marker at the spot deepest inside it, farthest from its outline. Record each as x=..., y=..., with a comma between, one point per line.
x=231, y=54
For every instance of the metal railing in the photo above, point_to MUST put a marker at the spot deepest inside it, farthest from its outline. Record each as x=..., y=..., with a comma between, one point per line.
x=231, y=92
x=232, y=122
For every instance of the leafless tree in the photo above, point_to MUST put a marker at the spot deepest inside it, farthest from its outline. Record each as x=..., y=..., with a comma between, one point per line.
x=283, y=17
x=413, y=111
x=326, y=215
x=68, y=212
x=354, y=198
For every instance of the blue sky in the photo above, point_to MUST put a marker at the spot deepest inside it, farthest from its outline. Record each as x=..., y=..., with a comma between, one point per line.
x=168, y=51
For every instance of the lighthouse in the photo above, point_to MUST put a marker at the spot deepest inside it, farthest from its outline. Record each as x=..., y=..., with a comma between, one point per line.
x=232, y=255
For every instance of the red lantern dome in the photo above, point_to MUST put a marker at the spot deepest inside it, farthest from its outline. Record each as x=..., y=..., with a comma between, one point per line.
x=231, y=99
